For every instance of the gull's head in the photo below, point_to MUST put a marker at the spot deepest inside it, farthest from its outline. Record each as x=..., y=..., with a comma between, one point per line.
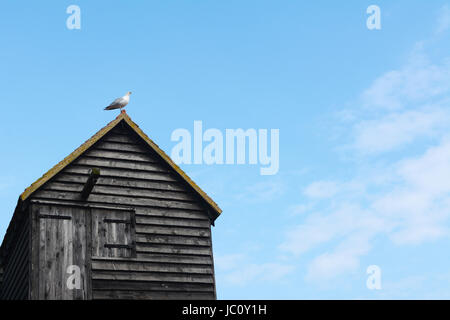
x=128, y=93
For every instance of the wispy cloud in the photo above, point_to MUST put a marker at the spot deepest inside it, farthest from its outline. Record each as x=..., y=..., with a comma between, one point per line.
x=412, y=210
x=398, y=129
x=417, y=81
x=405, y=196
x=344, y=258
x=258, y=273
x=321, y=189
x=443, y=22
x=237, y=270
x=263, y=191
x=402, y=106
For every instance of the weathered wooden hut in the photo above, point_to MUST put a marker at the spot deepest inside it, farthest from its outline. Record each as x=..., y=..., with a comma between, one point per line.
x=116, y=219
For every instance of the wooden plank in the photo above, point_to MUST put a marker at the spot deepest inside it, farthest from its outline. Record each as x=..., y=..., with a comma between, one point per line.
x=122, y=129
x=120, y=138
x=151, y=286
x=117, y=155
x=140, y=276
x=171, y=213
x=33, y=255
x=57, y=217
x=149, y=295
x=171, y=230
x=113, y=146
x=175, y=222
x=121, y=182
x=132, y=239
x=58, y=186
x=1, y=281
x=43, y=233
x=16, y=267
x=20, y=287
x=15, y=282
x=149, y=248
x=125, y=201
x=120, y=164
x=16, y=277
x=169, y=239
x=22, y=291
x=144, y=193
x=75, y=204
x=17, y=252
x=163, y=258
x=80, y=247
x=119, y=173
x=17, y=248
x=213, y=269
x=147, y=267
x=88, y=252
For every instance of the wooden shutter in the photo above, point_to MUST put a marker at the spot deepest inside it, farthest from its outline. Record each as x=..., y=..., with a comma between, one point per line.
x=113, y=233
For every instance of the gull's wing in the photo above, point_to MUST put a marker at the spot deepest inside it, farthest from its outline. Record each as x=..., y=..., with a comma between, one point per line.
x=116, y=104
x=117, y=101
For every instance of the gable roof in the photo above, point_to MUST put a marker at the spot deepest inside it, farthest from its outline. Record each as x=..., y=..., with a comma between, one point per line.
x=85, y=146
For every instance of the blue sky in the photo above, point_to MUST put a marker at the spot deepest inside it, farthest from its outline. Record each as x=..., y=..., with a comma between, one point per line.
x=363, y=115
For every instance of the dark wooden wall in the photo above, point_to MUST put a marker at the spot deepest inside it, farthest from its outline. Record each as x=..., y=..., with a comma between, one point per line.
x=15, y=282
x=1, y=278
x=173, y=250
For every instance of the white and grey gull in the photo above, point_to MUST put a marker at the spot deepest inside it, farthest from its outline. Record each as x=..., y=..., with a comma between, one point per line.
x=119, y=103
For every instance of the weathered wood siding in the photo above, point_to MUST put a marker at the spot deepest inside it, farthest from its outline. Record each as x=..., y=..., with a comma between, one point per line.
x=16, y=264
x=172, y=255
x=1, y=278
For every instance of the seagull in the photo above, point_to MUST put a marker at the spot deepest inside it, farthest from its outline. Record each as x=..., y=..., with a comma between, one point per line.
x=119, y=103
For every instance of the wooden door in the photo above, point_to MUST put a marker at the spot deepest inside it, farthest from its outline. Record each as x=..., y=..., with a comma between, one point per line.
x=61, y=243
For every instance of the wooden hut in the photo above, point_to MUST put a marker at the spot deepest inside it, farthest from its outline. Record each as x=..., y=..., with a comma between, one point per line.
x=116, y=219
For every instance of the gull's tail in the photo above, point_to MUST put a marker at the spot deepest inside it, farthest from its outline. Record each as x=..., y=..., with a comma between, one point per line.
x=111, y=108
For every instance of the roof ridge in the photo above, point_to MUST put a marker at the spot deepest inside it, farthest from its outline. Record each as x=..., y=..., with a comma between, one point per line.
x=97, y=136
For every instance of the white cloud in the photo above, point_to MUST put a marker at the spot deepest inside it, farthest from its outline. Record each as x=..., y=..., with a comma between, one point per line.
x=430, y=172
x=236, y=269
x=321, y=189
x=403, y=196
x=403, y=105
x=397, y=129
x=418, y=81
x=342, y=260
x=443, y=23
x=421, y=204
x=262, y=191
x=348, y=219
x=413, y=208
x=258, y=273
x=300, y=209
x=228, y=262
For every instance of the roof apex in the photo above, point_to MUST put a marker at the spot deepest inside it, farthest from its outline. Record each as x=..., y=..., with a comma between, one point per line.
x=91, y=141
